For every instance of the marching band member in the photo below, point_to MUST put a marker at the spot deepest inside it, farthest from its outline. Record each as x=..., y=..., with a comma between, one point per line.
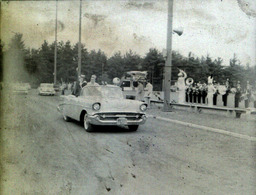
x=189, y=90
x=211, y=91
x=187, y=94
x=199, y=85
x=204, y=93
x=225, y=96
x=238, y=94
x=181, y=85
x=190, y=93
x=210, y=79
x=215, y=95
x=195, y=93
x=248, y=92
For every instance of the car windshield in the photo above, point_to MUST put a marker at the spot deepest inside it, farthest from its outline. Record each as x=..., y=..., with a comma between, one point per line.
x=47, y=85
x=19, y=86
x=125, y=84
x=102, y=91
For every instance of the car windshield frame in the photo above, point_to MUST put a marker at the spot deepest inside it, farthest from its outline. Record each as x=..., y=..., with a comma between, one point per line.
x=47, y=85
x=102, y=92
x=126, y=84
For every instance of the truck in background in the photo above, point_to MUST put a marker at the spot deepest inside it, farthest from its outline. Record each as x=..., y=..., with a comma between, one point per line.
x=129, y=83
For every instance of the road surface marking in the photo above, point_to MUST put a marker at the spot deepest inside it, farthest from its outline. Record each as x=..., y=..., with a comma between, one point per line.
x=247, y=137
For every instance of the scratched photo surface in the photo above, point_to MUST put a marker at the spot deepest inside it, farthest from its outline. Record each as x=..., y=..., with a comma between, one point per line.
x=191, y=148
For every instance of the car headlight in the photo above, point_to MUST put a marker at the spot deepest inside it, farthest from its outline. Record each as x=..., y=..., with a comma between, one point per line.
x=143, y=107
x=96, y=106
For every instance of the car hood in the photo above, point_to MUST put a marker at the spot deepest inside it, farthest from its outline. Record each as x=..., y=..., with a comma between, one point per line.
x=120, y=105
x=117, y=105
x=20, y=88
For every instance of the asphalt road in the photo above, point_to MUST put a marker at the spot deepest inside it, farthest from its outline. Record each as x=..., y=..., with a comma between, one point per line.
x=43, y=154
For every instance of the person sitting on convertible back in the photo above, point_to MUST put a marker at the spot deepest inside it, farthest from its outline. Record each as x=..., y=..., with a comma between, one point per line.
x=93, y=81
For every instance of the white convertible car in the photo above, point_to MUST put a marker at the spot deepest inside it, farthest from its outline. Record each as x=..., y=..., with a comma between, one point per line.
x=103, y=105
x=46, y=89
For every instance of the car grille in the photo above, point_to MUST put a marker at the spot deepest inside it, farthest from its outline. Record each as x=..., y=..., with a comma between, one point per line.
x=115, y=116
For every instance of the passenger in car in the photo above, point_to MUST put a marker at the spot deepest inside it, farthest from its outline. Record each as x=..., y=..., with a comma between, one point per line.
x=78, y=85
x=93, y=81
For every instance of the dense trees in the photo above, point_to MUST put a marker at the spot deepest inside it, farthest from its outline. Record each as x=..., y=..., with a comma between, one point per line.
x=154, y=64
x=37, y=65
x=15, y=57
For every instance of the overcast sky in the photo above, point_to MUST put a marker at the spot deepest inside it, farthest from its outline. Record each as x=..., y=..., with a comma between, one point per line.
x=219, y=28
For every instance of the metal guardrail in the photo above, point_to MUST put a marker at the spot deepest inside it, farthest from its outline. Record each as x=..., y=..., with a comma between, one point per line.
x=198, y=107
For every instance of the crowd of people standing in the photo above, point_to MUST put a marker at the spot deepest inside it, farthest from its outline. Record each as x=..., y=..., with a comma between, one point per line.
x=209, y=93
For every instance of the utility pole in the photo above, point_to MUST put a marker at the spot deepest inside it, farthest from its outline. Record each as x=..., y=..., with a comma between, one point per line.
x=168, y=62
x=55, y=50
x=79, y=43
x=102, y=68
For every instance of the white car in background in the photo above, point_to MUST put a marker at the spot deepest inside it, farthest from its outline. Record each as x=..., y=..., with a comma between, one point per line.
x=103, y=105
x=46, y=89
x=19, y=88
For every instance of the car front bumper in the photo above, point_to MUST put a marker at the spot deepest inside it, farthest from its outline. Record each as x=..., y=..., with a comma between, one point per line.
x=46, y=93
x=20, y=92
x=119, y=121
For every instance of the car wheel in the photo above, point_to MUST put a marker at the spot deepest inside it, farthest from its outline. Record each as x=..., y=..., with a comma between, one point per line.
x=87, y=126
x=133, y=127
x=66, y=118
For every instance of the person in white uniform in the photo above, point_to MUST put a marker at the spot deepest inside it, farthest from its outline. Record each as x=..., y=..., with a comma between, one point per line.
x=182, y=86
x=211, y=91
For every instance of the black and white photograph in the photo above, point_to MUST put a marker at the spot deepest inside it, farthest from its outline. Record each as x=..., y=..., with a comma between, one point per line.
x=140, y=97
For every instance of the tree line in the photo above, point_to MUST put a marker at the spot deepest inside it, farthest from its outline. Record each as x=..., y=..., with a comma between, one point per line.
x=24, y=64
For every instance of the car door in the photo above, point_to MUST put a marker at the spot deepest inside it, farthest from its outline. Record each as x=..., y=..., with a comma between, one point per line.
x=76, y=105
x=68, y=106
x=80, y=103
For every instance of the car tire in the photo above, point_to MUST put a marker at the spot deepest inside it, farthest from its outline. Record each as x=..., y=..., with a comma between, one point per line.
x=133, y=127
x=66, y=118
x=87, y=126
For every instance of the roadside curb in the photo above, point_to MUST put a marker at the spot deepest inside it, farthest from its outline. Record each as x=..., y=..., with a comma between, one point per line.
x=205, y=128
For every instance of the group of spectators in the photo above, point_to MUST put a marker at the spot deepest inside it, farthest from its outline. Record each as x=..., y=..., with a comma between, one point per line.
x=203, y=93
x=143, y=91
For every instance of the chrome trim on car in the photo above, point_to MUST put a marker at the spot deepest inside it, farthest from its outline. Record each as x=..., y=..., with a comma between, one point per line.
x=112, y=119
